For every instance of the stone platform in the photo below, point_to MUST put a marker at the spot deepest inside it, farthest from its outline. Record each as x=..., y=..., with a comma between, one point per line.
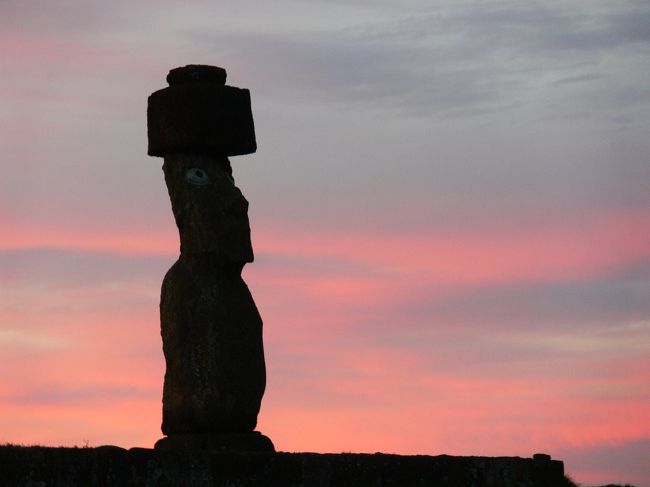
x=113, y=466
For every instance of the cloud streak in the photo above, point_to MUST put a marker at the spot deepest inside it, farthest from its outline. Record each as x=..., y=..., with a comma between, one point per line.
x=462, y=59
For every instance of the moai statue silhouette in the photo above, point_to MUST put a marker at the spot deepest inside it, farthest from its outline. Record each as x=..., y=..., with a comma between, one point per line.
x=210, y=326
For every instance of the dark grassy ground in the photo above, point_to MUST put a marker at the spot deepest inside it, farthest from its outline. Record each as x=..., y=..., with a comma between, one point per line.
x=28, y=466
x=111, y=466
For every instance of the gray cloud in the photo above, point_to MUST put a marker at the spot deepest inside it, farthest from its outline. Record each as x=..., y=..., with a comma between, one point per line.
x=578, y=79
x=323, y=266
x=537, y=86
x=50, y=291
x=462, y=58
x=348, y=68
x=625, y=462
x=41, y=19
x=66, y=395
x=523, y=114
x=567, y=304
x=73, y=268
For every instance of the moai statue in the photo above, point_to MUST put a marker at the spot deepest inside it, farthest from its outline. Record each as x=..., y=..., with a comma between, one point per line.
x=210, y=326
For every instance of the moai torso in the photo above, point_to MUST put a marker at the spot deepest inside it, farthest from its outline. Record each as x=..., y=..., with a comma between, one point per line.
x=212, y=332
x=210, y=326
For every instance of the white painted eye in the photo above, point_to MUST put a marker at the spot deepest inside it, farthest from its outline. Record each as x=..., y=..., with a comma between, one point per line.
x=197, y=176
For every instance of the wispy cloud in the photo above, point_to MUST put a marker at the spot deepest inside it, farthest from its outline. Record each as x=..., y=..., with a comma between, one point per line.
x=463, y=58
x=619, y=462
x=17, y=339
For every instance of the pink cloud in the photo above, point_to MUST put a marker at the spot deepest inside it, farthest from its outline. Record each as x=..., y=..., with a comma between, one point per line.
x=98, y=238
x=346, y=371
x=478, y=257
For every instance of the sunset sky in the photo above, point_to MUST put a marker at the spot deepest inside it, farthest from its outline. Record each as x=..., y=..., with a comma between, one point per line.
x=449, y=210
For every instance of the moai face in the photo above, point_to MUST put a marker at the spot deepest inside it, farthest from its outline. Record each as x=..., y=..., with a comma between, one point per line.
x=210, y=211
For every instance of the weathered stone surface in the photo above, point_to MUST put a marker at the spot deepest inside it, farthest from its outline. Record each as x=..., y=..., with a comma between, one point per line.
x=200, y=117
x=112, y=467
x=211, y=329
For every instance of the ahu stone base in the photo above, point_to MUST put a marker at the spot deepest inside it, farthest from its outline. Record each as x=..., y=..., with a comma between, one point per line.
x=112, y=466
x=253, y=441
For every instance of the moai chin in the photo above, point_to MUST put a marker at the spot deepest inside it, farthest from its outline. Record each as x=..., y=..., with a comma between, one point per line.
x=210, y=326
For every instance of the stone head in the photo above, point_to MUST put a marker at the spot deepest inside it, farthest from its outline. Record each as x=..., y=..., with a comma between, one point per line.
x=210, y=211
